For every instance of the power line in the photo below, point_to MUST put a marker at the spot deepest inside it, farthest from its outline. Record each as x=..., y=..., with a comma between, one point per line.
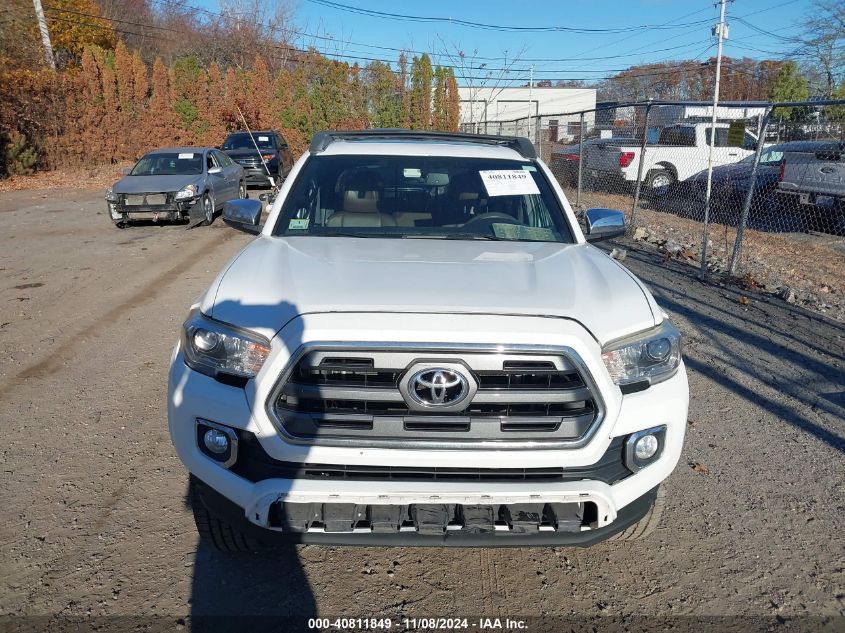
x=495, y=27
x=503, y=79
x=545, y=73
x=753, y=27
x=326, y=38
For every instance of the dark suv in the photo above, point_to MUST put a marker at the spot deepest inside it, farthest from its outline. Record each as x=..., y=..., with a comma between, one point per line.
x=272, y=150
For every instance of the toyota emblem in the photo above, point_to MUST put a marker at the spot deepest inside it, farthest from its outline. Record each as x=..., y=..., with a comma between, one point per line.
x=438, y=387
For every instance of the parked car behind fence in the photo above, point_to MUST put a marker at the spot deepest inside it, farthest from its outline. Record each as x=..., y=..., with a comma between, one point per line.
x=812, y=183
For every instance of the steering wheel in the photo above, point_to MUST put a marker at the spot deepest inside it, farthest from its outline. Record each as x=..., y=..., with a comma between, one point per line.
x=491, y=218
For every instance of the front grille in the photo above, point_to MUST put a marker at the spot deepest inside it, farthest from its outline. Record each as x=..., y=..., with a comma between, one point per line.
x=249, y=162
x=332, y=396
x=144, y=199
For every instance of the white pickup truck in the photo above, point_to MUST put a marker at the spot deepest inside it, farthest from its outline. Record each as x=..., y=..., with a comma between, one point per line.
x=680, y=152
x=422, y=348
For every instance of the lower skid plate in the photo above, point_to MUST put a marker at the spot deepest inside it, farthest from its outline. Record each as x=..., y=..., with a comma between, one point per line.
x=430, y=518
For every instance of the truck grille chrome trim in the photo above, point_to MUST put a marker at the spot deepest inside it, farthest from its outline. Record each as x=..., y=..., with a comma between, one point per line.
x=354, y=394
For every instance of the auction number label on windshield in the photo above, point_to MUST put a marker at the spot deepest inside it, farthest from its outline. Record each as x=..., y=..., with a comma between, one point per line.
x=186, y=156
x=508, y=182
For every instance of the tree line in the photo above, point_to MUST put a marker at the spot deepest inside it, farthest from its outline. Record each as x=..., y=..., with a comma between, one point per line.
x=108, y=104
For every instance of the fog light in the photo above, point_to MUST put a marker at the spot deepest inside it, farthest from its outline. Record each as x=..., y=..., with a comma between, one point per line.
x=645, y=447
x=216, y=441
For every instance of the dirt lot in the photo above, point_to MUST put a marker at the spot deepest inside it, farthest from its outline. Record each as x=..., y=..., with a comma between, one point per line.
x=805, y=268
x=95, y=522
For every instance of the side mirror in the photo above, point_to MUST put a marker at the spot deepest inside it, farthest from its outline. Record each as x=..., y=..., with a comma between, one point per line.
x=215, y=170
x=126, y=171
x=604, y=224
x=243, y=214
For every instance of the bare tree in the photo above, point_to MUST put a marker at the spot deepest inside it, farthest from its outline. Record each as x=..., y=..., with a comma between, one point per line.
x=823, y=44
x=479, y=77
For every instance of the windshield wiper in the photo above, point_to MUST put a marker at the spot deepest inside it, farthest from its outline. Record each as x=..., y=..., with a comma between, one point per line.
x=351, y=234
x=474, y=236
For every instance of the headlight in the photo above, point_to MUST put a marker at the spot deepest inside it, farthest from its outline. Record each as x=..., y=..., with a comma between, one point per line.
x=214, y=348
x=644, y=359
x=111, y=196
x=186, y=193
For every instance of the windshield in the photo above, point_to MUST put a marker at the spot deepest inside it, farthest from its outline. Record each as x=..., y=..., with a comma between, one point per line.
x=243, y=141
x=769, y=157
x=169, y=164
x=423, y=197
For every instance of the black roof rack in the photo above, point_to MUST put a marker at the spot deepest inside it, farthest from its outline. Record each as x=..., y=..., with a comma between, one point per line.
x=519, y=144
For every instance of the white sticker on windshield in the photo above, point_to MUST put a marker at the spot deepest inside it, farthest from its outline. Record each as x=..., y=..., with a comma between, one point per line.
x=298, y=224
x=187, y=156
x=263, y=138
x=508, y=182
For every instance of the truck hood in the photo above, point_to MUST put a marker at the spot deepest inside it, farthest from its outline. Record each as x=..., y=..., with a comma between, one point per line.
x=154, y=184
x=273, y=279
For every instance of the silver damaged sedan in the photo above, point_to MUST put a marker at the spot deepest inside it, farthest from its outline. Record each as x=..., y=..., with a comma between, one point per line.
x=178, y=183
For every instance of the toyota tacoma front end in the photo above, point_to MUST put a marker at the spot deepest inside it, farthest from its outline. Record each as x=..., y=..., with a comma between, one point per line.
x=420, y=347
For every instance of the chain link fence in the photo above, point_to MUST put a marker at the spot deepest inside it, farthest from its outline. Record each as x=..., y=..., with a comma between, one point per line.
x=773, y=203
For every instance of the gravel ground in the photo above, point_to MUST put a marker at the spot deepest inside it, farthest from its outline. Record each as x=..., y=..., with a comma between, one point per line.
x=804, y=268
x=96, y=523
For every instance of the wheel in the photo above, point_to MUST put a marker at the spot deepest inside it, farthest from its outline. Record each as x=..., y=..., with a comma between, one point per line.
x=215, y=532
x=645, y=526
x=121, y=225
x=658, y=178
x=242, y=190
x=208, y=209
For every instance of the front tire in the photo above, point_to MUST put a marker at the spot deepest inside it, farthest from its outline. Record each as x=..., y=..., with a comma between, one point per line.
x=645, y=526
x=214, y=531
x=208, y=209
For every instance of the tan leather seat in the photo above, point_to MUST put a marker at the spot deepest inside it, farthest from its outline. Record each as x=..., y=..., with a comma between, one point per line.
x=360, y=209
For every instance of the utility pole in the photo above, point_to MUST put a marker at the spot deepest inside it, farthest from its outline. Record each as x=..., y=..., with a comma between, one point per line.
x=722, y=31
x=45, y=34
x=530, y=94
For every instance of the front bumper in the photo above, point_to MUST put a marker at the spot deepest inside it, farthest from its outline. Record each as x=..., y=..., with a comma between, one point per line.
x=193, y=396
x=120, y=212
x=477, y=537
x=258, y=175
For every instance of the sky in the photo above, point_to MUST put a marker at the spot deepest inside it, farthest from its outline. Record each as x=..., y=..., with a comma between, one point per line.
x=554, y=54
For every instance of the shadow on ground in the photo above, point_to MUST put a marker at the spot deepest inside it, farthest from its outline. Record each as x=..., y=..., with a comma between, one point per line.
x=797, y=355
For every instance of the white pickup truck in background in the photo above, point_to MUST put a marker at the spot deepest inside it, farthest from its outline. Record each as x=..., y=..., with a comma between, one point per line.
x=680, y=152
